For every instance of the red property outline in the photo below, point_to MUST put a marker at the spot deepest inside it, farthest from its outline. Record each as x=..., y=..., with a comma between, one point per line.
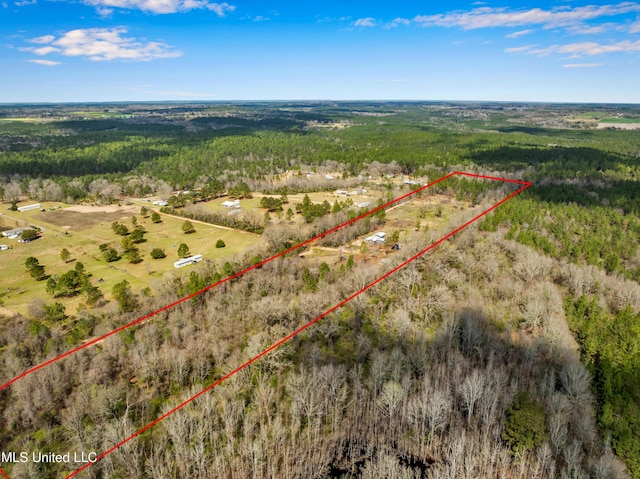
x=525, y=184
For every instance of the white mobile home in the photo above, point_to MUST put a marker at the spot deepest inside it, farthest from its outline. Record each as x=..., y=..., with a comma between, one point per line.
x=35, y=206
x=231, y=204
x=181, y=263
x=14, y=233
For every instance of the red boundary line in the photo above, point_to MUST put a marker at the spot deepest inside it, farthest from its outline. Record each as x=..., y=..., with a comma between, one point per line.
x=294, y=333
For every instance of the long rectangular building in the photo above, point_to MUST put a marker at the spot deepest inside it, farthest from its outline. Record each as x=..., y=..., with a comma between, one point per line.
x=181, y=263
x=35, y=206
x=14, y=233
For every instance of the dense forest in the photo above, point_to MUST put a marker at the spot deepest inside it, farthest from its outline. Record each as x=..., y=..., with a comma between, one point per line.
x=512, y=350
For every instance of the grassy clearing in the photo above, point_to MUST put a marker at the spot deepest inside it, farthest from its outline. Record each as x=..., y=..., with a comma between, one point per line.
x=432, y=212
x=29, y=120
x=600, y=118
x=315, y=197
x=82, y=232
x=620, y=120
x=216, y=205
x=81, y=229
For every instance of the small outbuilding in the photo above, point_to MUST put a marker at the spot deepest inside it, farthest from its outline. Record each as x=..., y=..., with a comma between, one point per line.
x=377, y=238
x=231, y=204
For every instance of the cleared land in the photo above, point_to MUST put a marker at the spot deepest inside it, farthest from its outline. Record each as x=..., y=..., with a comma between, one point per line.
x=81, y=229
x=428, y=212
x=77, y=218
x=620, y=125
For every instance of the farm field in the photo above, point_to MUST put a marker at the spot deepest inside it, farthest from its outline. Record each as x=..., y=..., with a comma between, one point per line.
x=81, y=229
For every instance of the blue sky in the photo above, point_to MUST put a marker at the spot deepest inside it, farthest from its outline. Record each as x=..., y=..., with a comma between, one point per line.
x=154, y=50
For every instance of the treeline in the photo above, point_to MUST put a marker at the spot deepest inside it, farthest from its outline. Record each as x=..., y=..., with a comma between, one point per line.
x=178, y=156
x=610, y=347
x=585, y=233
x=553, y=163
x=102, y=158
x=250, y=221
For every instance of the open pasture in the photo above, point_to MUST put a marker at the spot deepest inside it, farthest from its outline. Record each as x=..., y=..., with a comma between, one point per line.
x=82, y=229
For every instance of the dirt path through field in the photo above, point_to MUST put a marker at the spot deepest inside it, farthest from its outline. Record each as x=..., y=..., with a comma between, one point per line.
x=23, y=221
x=143, y=203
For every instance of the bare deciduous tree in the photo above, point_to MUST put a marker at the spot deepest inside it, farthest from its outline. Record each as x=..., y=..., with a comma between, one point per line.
x=470, y=392
x=390, y=398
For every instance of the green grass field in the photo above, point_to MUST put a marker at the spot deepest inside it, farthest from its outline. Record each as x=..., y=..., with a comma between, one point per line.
x=84, y=233
x=600, y=118
x=82, y=229
x=315, y=197
x=620, y=120
x=29, y=120
x=429, y=211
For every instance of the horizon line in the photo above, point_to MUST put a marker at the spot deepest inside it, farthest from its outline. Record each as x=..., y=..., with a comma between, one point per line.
x=309, y=100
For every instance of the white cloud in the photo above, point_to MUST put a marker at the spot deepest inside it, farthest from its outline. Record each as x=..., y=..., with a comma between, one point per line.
x=396, y=22
x=332, y=19
x=519, y=33
x=104, y=12
x=575, y=50
x=220, y=8
x=590, y=29
x=260, y=18
x=42, y=50
x=581, y=65
x=102, y=44
x=635, y=27
x=162, y=6
x=365, y=22
x=519, y=49
x=43, y=39
x=48, y=63
x=486, y=17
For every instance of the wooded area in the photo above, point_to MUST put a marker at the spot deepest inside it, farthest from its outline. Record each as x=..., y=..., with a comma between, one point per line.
x=512, y=350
